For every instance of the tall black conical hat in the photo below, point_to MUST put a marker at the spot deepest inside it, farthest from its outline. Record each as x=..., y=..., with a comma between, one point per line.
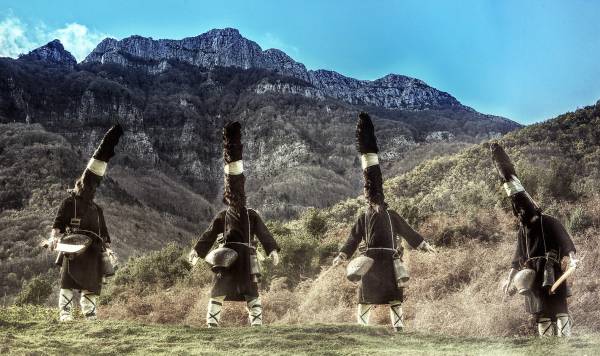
x=96, y=168
x=504, y=165
x=520, y=199
x=232, y=142
x=233, y=188
x=105, y=151
x=366, y=144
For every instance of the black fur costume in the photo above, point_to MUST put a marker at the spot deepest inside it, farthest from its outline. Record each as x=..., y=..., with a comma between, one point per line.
x=84, y=272
x=239, y=226
x=538, y=234
x=383, y=226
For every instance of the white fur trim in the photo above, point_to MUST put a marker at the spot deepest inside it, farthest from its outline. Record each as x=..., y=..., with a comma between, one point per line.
x=513, y=187
x=368, y=160
x=97, y=166
x=234, y=168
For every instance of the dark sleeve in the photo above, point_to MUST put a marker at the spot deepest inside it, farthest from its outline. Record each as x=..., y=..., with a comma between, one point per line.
x=356, y=235
x=208, y=237
x=263, y=234
x=517, y=256
x=103, y=230
x=554, y=228
x=63, y=217
x=402, y=228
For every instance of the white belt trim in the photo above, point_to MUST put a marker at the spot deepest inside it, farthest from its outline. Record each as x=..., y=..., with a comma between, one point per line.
x=234, y=168
x=368, y=160
x=97, y=167
x=513, y=187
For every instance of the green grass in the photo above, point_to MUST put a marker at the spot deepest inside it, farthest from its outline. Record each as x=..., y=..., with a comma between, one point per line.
x=31, y=330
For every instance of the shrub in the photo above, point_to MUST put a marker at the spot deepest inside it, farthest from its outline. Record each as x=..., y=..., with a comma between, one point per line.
x=35, y=291
x=298, y=257
x=579, y=221
x=159, y=268
x=314, y=223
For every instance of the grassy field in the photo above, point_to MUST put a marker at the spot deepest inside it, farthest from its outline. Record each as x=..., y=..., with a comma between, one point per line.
x=29, y=330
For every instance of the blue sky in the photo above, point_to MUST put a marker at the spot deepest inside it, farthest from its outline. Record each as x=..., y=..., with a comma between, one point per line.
x=526, y=60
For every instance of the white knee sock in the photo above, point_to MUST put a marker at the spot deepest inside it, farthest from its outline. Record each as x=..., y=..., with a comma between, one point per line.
x=65, y=304
x=363, y=313
x=396, y=315
x=545, y=327
x=88, y=304
x=254, y=308
x=563, y=325
x=213, y=311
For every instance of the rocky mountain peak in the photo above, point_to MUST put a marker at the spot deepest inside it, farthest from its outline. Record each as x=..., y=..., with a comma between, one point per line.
x=397, y=79
x=52, y=52
x=225, y=32
x=228, y=48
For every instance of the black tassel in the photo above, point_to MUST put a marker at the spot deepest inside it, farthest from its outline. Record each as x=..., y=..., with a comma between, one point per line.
x=232, y=142
x=366, y=142
x=504, y=165
x=106, y=150
x=234, y=194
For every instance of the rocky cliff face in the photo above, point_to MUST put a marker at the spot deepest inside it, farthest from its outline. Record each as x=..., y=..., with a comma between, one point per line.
x=228, y=48
x=174, y=97
x=53, y=52
x=224, y=48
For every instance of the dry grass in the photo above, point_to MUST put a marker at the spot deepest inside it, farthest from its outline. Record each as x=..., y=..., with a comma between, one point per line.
x=456, y=291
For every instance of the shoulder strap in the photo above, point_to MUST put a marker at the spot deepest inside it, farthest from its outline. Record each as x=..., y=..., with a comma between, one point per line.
x=391, y=227
x=366, y=234
x=99, y=226
x=74, y=222
x=249, y=232
x=524, y=241
x=225, y=225
x=543, y=236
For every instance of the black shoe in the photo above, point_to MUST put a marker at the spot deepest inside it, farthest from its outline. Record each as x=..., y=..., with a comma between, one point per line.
x=398, y=329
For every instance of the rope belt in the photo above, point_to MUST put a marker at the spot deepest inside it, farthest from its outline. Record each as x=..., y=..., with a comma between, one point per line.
x=540, y=257
x=240, y=243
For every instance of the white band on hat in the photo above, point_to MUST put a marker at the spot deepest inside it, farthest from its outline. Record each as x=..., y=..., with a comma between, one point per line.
x=513, y=186
x=234, y=168
x=368, y=160
x=97, y=166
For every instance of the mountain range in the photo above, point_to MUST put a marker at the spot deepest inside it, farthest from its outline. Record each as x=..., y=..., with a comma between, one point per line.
x=173, y=98
x=174, y=95
x=227, y=48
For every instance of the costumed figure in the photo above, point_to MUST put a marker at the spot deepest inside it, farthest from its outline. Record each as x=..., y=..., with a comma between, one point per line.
x=80, y=236
x=542, y=242
x=235, y=229
x=377, y=235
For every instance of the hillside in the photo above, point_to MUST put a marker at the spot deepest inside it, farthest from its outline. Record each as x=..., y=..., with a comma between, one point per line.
x=298, y=133
x=455, y=201
x=33, y=188
x=165, y=182
x=28, y=330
